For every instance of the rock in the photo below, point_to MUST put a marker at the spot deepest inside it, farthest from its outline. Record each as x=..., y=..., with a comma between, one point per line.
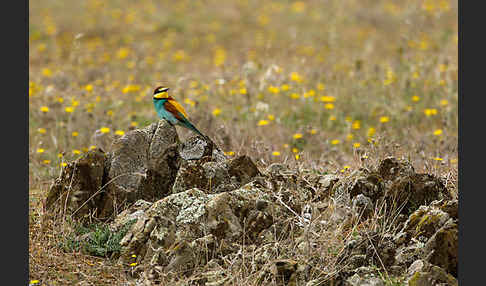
x=358, y=182
x=195, y=148
x=194, y=214
x=144, y=164
x=215, y=176
x=415, y=190
x=422, y=273
x=422, y=224
x=390, y=168
x=442, y=247
x=364, y=205
x=356, y=280
x=79, y=189
x=430, y=234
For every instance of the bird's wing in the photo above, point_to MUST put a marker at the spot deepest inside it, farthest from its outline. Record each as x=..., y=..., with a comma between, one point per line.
x=176, y=109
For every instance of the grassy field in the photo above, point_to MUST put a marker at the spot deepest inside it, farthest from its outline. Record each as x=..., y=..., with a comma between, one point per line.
x=329, y=85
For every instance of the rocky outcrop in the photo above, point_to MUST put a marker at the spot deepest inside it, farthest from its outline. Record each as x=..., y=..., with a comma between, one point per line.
x=189, y=207
x=145, y=164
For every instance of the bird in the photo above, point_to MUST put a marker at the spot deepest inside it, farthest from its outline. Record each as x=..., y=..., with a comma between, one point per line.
x=169, y=109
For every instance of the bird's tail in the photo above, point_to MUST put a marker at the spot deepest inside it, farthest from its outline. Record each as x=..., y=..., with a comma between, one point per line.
x=193, y=128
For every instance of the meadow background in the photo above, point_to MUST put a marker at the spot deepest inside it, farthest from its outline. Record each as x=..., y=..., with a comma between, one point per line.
x=328, y=85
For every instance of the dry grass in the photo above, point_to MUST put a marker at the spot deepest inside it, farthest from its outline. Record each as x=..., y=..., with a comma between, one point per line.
x=282, y=81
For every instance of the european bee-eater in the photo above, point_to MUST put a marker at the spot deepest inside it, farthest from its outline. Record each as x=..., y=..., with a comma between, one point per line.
x=169, y=109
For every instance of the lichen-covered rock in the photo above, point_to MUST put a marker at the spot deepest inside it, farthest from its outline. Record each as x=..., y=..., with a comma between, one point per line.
x=395, y=182
x=363, y=205
x=422, y=273
x=194, y=214
x=391, y=168
x=357, y=280
x=144, y=164
x=430, y=234
x=78, y=189
x=215, y=176
x=422, y=224
x=442, y=247
x=358, y=182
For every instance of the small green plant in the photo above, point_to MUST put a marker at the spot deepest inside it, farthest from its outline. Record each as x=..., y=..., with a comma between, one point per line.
x=100, y=240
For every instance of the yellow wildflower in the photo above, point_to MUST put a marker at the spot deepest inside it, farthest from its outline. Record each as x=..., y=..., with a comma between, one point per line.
x=415, y=98
x=63, y=164
x=46, y=72
x=216, y=111
x=294, y=76
x=104, y=130
x=122, y=53
x=74, y=133
x=356, y=145
x=69, y=109
x=229, y=153
x=313, y=131
x=349, y=137
x=41, y=130
x=276, y=153
x=262, y=122
x=384, y=119
x=437, y=159
x=332, y=118
x=356, y=124
x=335, y=141
x=179, y=55
x=40, y=150
x=328, y=98
x=76, y=152
x=44, y=109
x=444, y=102
x=295, y=150
x=297, y=135
x=120, y=132
x=285, y=87
x=329, y=106
x=430, y=111
x=371, y=131
x=438, y=132
x=242, y=90
x=295, y=96
x=273, y=89
x=321, y=86
x=271, y=117
x=88, y=88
